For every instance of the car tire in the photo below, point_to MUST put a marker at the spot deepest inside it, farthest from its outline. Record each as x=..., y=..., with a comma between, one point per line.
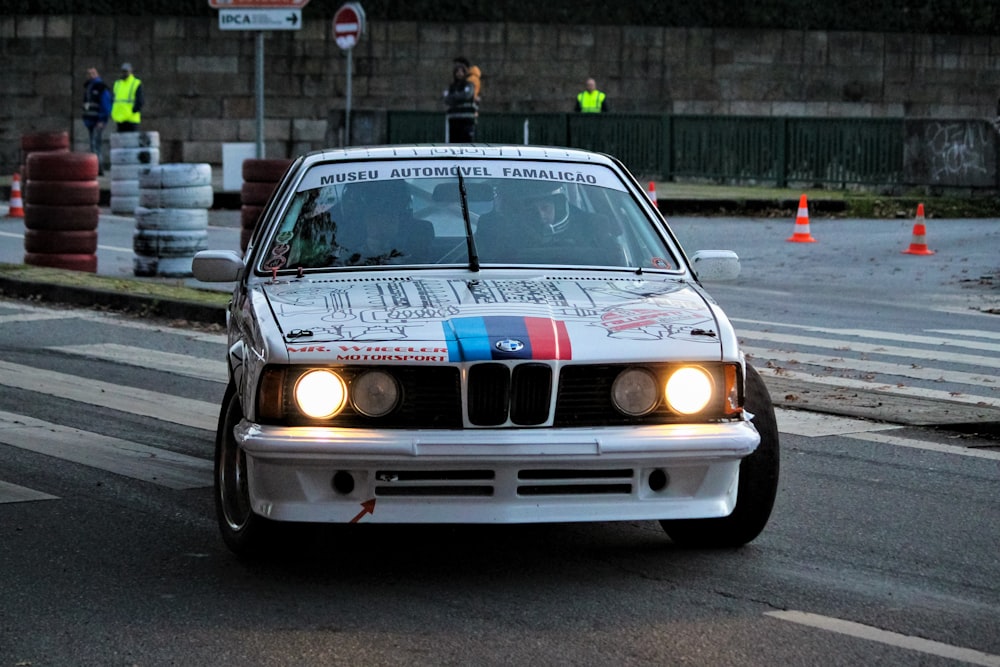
x=61, y=166
x=44, y=217
x=72, y=262
x=264, y=170
x=256, y=194
x=62, y=193
x=63, y=243
x=758, y=484
x=188, y=196
x=246, y=533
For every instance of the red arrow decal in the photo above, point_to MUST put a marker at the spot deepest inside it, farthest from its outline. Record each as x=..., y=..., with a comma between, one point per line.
x=368, y=508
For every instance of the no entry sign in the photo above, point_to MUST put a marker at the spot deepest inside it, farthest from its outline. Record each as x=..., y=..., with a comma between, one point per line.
x=348, y=25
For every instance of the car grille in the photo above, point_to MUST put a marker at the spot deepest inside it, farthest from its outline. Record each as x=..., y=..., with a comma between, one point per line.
x=534, y=482
x=497, y=395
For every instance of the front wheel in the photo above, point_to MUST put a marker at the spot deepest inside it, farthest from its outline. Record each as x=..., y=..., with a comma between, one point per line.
x=244, y=532
x=758, y=484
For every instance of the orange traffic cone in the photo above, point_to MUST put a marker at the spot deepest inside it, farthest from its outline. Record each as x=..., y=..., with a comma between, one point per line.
x=918, y=246
x=16, y=205
x=652, y=193
x=801, y=233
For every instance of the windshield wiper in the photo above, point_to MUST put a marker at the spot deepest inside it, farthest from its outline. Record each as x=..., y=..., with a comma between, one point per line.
x=470, y=240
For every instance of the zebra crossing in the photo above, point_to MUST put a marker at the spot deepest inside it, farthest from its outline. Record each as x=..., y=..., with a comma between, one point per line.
x=958, y=366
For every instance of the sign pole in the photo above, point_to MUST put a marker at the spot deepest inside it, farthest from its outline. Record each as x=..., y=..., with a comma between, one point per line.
x=347, y=108
x=260, y=94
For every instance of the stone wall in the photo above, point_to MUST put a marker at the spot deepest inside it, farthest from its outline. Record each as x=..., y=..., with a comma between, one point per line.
x=200, y=81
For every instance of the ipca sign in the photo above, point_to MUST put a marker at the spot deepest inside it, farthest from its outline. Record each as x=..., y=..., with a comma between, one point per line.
x=260, y=19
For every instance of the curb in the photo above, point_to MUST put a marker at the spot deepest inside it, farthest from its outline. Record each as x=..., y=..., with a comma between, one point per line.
x=119, y=301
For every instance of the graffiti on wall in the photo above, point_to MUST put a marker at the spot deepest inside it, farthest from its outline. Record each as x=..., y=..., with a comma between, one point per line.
x=951, y=152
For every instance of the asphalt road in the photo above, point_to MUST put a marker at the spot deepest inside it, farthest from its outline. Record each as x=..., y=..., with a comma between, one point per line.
x=881, y=548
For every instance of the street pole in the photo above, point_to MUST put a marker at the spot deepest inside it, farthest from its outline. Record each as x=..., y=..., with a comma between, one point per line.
x=260, y=94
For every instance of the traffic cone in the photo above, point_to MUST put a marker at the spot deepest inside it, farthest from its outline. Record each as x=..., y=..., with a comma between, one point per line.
x=652, y=194
x=16, y=205
x=918, y=246
x=801, y=233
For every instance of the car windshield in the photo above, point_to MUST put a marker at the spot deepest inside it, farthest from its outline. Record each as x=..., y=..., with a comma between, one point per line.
x=422, y=213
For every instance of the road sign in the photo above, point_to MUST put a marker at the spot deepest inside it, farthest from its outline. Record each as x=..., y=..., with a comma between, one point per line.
x=348, y=25
x=260, y=19
x=257, y=4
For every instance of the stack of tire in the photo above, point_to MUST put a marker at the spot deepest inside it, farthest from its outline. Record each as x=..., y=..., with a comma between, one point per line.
x=260, y=176
x=171, y=218
x=47, y=142
x=131, y=152
x=61, y=196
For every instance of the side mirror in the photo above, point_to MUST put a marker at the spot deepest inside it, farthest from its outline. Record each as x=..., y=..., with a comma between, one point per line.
x=716, y=265
x=217, y=266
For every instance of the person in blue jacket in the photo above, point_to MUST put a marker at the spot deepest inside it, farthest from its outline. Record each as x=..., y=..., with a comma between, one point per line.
x=96, y=111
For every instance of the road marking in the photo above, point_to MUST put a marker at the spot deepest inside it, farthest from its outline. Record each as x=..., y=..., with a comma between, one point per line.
x=971, y=333
x=178, y=364
x=165, y=407
x=819, y=425
x=917, y=392
x=840, y=345
x=923, y=444
x=892, y=335
x=868, y=366
x=12, y=493
x=150, y=464
x=888, y=638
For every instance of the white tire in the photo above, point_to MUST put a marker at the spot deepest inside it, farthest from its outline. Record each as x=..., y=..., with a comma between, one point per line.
x=192, y=196
x=135, y=156
x=124, y=188
x=178, y=267
x=126, y=172
x=171, y=219
x=135, y=140
x=124, y=205
x=175, y=175
x=172, y=243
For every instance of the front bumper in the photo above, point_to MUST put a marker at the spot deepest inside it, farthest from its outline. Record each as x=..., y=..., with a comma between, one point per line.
x=678, y=471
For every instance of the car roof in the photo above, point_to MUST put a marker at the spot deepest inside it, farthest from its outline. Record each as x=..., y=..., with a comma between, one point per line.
x=459, y=151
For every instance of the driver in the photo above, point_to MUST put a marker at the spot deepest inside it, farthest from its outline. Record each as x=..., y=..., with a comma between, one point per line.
x=537, y=214
x=380, y=225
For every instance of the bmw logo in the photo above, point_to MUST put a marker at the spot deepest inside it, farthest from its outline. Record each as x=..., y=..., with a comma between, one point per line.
x=509, y=345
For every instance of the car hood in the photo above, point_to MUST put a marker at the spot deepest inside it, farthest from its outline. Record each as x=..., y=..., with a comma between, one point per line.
x=434, y=320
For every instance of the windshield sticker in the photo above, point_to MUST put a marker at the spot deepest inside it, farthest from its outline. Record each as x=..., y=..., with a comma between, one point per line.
x=340, y=173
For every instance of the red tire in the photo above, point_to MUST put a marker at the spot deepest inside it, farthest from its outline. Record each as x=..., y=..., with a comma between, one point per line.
x=64, y=166
x=264, y=170
x=86, y=263
x=64, y=193
x=45, y=141
x=249, y=215
x=64, y=243
x=43, y=217
x=256, y=194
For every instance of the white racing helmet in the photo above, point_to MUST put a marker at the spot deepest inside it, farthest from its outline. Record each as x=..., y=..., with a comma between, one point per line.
x=519, y=196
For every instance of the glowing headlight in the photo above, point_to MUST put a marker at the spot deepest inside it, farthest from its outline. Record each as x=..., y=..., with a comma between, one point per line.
x=320, y=394
x=635, y=392
x=375, y=393
x=689, y=390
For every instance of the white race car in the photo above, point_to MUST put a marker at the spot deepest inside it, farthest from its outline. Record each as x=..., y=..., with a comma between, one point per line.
x=533, y=347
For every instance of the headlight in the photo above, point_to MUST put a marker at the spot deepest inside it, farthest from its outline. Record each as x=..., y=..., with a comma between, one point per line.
x=320, y=394
x=689, y=390
x=375, y=393
x=635, y=392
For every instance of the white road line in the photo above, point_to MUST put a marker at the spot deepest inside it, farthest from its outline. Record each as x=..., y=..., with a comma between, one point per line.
x=888, y=335
x=884, y=438
x=35, y=317
x=818, y=425
x=150, y=464
x=971, y=333
x=867, y=632
x=12, y=493
x=179, y=364
x=917, y=392
x=868, y=348
x=168, y=408
x=985, y=380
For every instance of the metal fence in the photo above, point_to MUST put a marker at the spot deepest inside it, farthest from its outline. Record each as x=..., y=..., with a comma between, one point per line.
x=836, y=152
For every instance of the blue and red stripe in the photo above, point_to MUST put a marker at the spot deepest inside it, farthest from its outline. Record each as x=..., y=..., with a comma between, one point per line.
x=475, y=338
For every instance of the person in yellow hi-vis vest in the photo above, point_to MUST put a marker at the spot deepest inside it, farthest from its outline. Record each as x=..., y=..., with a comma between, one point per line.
x=592, y=100
x=126, y=107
